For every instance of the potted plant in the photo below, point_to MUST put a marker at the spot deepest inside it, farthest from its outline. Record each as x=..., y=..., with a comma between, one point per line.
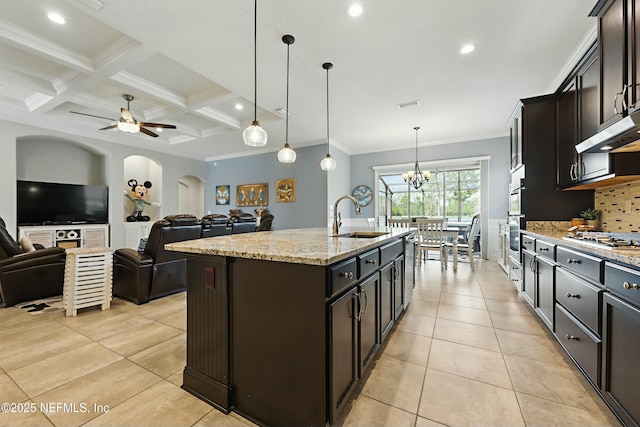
x=592, y=217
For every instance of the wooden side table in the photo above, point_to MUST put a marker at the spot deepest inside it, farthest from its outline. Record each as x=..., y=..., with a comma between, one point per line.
x=88, y=277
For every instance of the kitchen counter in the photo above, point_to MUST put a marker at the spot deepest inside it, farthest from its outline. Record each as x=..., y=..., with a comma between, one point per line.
x=312, y=246
x=626, y=256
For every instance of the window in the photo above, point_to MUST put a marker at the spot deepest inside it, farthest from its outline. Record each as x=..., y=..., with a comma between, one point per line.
x=453, y=193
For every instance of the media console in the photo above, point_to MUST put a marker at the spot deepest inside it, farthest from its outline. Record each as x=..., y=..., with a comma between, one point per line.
x=67, y=236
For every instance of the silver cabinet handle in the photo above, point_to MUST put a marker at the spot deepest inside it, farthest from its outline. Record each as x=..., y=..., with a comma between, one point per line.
x=615, y=102
x=366, y=303
x=370, y=261
x=628, y=285
x=569, y=295
x=571, y=337
x=572, y=174
x=544, y=249
x=624, y=97
x=357, y=316
x=347, y=275
x=573, y=261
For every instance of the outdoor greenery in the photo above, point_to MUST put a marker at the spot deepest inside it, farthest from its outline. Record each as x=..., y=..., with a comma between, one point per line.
x=454, y=194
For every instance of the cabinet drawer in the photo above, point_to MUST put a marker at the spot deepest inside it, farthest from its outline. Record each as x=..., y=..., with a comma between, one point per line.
x=584, y=347
x=390, y=251
x=580, y=298
x=546, y=249
x=623, y=281
x=342, y=275
x=584, y=265
x=528, y=242
x=368, y=262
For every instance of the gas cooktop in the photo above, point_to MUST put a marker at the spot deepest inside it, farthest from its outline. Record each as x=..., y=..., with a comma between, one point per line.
x=606, y=240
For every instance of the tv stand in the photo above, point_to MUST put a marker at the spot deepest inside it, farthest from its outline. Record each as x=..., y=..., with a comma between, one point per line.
x=67, y=236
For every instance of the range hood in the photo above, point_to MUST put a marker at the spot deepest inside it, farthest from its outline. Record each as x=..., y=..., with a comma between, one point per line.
x=622, y=136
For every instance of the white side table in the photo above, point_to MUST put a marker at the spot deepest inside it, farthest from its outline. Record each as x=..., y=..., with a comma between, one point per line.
x=88, y=276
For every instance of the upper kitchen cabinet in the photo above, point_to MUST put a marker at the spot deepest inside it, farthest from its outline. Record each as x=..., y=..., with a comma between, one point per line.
x=613, y=59
x=578, y=119
x=537, y=127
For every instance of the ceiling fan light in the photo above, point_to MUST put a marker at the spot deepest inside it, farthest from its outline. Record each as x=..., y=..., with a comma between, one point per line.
x=286, y=154
x=128, y=127
x=254, y=135
x=328, y=163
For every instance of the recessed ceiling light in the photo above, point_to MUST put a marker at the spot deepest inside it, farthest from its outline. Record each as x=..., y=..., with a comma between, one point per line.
x=467, y=48
x=239, y=106
x=56, y=17
x=606, y=148
x=159, y=130
x=355, y=10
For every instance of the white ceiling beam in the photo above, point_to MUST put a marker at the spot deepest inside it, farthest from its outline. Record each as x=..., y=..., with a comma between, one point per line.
x=44, y=48
x=150, y=88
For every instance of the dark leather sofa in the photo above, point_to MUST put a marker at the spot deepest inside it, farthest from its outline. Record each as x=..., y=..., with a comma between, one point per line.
x=28, y=276
x=215, y=225
x=155, y=272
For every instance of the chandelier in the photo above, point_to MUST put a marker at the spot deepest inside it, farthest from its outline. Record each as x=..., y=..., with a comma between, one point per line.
x=416, y=177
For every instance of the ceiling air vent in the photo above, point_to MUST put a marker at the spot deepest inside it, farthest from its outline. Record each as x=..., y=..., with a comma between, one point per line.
x=409, y=104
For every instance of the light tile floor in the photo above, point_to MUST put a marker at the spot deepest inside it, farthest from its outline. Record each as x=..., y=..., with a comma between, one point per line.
x=467, y=352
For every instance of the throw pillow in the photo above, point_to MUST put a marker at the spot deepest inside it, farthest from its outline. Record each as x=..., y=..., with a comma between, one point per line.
x=27, y=245
x=142, y=244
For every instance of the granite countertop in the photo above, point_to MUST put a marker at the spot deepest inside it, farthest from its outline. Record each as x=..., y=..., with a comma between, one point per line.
x=626, y=256
x=312, y=246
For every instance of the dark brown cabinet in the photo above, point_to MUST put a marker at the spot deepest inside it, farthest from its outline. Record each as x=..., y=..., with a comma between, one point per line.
x=620, y=370
x=386, y=300
x=529, y=276
x=611, y=41
x=368, y=323
x=343, y=350
x=545, y=290
x=538, y=123
x=578, y=119
x=619, y=41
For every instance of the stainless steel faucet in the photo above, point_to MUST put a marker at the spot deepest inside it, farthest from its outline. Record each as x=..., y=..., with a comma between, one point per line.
x=337, y=219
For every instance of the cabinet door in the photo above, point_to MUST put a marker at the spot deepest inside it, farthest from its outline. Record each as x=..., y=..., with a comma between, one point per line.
x=368, y=326
x=567, y=135
x=633, y=20
x=529, y=276
x=386, y=300
x=611, y=39
x=545, y=291
x=343, y=366
x=620, y=370
x=398, y=286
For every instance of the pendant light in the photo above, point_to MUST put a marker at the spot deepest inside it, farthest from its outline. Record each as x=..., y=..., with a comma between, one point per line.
x=328, y=163
x=254, y=135
x=286, y=153
x=416, y=177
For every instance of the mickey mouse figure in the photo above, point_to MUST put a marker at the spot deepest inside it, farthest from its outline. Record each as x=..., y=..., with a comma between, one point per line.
x=137, y=195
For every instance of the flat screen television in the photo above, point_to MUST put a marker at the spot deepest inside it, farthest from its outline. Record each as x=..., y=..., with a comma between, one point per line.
x=48, y=203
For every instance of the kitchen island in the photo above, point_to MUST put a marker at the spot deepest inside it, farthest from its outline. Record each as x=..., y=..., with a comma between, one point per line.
x=281, y=325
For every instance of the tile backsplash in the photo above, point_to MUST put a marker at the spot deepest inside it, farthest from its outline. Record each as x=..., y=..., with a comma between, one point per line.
x=620, y=206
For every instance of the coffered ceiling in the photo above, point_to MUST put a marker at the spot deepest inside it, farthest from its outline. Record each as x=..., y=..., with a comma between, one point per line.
x=190, y=63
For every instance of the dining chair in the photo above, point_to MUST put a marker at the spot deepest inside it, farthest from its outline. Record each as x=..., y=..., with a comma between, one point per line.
x=467, y=246
x=399, y=222
x=430, y=237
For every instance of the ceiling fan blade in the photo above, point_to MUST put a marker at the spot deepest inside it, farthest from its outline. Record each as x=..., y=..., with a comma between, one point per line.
x=109, y=127
x=157, y=125
x=92, y=115
x=126, y=114
x=148, y=132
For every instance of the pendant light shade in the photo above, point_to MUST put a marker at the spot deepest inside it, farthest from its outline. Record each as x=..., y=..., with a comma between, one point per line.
x=416, y=177
x=286, y=153
x=254, y=135
x=328, y=163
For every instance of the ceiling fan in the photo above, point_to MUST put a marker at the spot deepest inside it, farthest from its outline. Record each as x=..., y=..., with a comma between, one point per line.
x=127, y=123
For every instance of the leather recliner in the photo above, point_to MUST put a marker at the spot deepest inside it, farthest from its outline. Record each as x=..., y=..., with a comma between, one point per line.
x=215, y=225
x=155, y=272
x=28, y=276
